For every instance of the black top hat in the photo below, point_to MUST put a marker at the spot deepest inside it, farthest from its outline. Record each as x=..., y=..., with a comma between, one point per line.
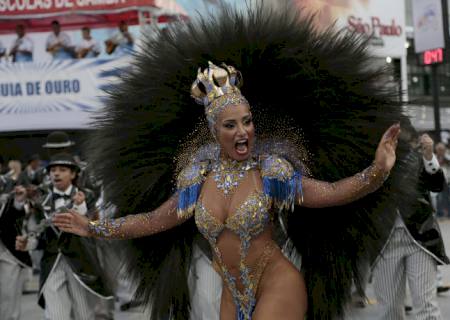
x=58, y=139
x=63, y=159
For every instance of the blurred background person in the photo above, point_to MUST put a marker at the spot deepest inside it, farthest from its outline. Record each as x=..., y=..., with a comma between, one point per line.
x=415, y=246
x=121, y=43
x=22, y=48
x=15, y=169
x=2, y=51
x=88, y=47
x=6, y=186
x=58, y=43
x=443, y=197
x=33, y=173
x=13, y=222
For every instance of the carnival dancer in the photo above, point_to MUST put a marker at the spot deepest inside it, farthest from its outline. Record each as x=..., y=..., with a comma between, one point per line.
x=415, y=247
x=60, y=142
x=68, y=268
x=234, y=199
x=318, y=113
x=33, y=174
x=14, y=217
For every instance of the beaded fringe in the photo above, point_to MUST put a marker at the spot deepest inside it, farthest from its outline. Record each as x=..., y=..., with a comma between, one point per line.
x=187, y=199
x=284, y=192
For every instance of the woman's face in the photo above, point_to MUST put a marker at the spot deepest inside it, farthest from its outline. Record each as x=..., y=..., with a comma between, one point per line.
x=235, y=132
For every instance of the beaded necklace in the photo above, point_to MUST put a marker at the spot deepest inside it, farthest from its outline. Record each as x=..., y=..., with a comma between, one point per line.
x=228, y=173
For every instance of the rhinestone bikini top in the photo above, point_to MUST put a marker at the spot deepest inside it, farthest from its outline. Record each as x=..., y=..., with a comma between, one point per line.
x=249, y=220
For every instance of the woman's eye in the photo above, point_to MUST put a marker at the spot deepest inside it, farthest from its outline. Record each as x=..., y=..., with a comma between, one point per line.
x=228, y=126
x=248, y=121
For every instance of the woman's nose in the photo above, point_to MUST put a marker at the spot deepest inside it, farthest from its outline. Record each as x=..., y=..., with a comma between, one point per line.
x=241, y=130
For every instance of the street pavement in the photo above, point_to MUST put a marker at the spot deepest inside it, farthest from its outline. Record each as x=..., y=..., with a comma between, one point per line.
x=31, y=311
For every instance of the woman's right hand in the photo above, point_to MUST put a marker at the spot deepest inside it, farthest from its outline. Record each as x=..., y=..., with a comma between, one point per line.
x=72, y=222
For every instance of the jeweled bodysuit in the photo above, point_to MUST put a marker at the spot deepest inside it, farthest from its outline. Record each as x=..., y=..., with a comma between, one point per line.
x=250, y=219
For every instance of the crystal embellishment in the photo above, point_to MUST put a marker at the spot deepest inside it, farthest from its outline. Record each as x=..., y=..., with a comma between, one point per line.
x=228, y=173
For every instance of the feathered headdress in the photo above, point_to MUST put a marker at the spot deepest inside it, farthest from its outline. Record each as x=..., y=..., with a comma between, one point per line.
x=302, y=83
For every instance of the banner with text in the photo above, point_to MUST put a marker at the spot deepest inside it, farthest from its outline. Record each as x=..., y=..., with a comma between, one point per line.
x=56, y=94
x=43, y=8
x=382, y=21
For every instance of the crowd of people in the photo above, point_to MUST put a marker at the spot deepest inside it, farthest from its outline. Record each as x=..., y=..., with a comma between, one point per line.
x=29, y=197
x=61, y=47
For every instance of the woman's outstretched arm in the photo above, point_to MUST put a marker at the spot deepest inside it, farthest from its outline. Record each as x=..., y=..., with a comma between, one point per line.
x=128, y=227
x=319, y=194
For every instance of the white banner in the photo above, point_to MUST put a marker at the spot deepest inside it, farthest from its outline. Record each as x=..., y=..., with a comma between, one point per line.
x=381, y=20
x=428, y=25
x=56, y=94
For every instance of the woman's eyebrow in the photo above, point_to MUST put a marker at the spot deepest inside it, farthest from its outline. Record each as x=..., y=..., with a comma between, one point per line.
x=229, y=120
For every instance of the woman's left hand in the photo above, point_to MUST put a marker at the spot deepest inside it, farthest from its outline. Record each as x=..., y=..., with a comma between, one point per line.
x=72, y=222
x=385, y=154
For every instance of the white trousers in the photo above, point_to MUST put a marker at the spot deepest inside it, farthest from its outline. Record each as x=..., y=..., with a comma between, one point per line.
x=11, y=283
x=402, y=260
x=205, y=286
x=65, y=297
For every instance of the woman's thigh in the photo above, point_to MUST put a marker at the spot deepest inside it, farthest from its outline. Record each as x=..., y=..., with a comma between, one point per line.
x=282, y=295
x=227, y=307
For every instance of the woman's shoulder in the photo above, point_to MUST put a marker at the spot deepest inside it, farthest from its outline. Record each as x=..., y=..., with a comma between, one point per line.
x=189, y=184
x=281, y=182
x=275, y=166
x=194, y=173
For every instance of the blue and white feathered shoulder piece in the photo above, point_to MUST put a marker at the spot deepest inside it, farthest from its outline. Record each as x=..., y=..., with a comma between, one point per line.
x=282, y=183
x=189, y=184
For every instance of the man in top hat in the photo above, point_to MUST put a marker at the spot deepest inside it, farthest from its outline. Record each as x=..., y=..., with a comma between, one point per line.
x=59, y=142
x=69, y=275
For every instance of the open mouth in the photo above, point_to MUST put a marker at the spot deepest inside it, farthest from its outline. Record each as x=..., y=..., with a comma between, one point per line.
x=241, y=146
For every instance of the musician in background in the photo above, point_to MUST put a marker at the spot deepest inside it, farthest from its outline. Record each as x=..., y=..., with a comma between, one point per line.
x=121, y=43
x=14, y=217
x=88, y=47
x=15, y=169
x=22, y=48
x=70, y=274
x=58, y=43
x=33, y=173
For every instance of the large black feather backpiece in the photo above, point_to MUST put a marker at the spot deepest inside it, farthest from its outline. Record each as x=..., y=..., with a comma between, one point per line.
x=317, y=85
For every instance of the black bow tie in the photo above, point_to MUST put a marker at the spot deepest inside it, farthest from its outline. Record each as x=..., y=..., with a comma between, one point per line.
x=60, y=196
